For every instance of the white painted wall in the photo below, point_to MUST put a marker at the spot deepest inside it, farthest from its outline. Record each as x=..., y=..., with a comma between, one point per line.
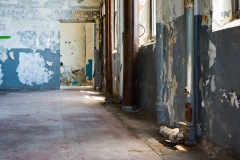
x=73, y=52
x=144, y=21
x=222, y=13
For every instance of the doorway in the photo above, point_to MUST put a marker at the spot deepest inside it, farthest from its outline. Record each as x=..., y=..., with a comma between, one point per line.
x=77, y=54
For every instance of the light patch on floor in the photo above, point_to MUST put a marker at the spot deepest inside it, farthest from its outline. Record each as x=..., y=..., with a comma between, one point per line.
x=181, y=148
x=31, y=69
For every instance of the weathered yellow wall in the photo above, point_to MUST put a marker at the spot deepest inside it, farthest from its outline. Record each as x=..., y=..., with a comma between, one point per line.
x=72, y=50
x=90, y=44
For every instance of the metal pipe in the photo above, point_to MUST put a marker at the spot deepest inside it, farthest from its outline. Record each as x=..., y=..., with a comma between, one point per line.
x=196, y=68
x=109, y=86
x=189, y=63
x=130, y=54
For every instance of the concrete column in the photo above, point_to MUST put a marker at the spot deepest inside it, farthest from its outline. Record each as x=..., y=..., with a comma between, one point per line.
x=189, y=63
x=100, y=51
x=109, y=86
x=121, y=31
x=130, y=54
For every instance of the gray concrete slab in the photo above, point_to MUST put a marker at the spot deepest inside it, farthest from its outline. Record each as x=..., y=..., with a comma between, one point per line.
x=64, y=125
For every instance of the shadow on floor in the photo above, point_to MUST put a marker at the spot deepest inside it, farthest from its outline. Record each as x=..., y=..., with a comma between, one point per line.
x=148, y=132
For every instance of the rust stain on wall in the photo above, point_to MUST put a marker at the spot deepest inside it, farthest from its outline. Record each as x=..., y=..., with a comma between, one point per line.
x=204, y=19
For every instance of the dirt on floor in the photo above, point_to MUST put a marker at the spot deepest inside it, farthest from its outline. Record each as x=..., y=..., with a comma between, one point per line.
x=148, y=132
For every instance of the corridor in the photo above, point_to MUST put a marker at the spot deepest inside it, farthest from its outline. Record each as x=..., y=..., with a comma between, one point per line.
x=64, y=125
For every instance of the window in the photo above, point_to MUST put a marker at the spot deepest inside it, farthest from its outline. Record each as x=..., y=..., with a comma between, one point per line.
x=235, y=9
x=147, y=21
x=153, y=19
x=115, y=26
x=225, y=14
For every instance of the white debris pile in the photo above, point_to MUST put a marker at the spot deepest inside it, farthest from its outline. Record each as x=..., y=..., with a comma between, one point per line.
x=173, y=135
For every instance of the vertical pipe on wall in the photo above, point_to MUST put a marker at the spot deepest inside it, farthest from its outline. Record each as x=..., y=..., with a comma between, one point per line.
x=109, y=86
x=189, y=63
x=130, y=54
x=196, y=68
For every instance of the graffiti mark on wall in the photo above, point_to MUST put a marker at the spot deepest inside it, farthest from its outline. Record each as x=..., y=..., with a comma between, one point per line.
x=31, y=69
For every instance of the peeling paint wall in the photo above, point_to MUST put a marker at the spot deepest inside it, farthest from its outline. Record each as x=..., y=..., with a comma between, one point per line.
x=34, y=26
x=31, y=69
x=73, y=53
x=90, y=44
x=219, y=85
x=161, y=66
x=161, y=73
x=219, y=54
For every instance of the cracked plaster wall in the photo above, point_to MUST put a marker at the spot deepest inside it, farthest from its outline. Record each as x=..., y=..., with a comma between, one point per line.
x=35, y=25
x=160, y=66
x=161, y=73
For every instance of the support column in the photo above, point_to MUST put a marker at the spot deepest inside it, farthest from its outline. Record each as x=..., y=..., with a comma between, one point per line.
x=109, y=87
x=130, y=51
x=189, y=63
x=100, y=50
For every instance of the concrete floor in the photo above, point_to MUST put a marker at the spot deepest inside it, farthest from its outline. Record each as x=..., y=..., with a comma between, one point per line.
x=64, y=125
x=71, y=124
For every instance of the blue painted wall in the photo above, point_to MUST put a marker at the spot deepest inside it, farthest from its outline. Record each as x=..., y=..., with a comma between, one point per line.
x=162, y=98
x=158, y=65
x=34, y=26
x=89, y=66
x=11, y=80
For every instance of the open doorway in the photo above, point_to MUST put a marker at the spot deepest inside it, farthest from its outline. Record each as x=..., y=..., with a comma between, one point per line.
x=77, y=54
